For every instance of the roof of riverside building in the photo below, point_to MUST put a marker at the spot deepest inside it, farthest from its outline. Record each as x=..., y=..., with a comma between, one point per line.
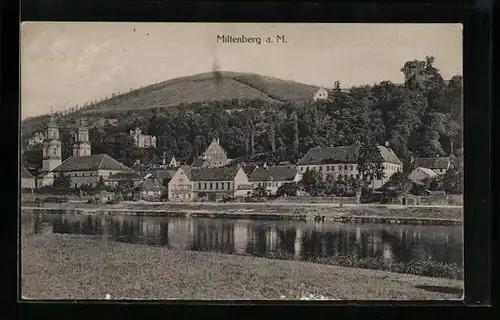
x=343, y=154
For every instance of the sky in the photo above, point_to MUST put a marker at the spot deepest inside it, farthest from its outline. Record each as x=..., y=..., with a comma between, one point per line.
x=68, y=63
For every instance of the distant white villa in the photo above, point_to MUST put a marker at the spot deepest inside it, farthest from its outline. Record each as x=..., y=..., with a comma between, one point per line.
x=141, y=140
x=321, y=94
x=37, y=139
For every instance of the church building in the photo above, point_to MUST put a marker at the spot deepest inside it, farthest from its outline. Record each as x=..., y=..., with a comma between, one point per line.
x=83, y=167
x=214, y=156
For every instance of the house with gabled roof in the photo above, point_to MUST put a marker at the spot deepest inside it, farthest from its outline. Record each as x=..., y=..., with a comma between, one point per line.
x=212, y=184
x=28, y=180
x=423, y=176
x=273, y=177
x=437, y=164
x=214, y=156
x=342, y=161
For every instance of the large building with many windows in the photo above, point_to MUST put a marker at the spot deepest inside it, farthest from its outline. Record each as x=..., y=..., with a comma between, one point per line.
x=342, y=162
x=211, y=184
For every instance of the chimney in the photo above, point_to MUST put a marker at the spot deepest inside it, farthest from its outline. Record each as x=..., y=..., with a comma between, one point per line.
x=265, y=165
x=387, y=144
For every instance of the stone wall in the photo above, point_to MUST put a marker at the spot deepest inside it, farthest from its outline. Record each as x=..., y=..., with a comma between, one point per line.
x=344, y=200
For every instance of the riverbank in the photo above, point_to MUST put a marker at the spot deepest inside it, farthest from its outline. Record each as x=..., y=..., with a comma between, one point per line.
x=59, y=266
x=358, y=213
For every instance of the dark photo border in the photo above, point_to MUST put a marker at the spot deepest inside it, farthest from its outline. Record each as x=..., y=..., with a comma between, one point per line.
x=478, y=224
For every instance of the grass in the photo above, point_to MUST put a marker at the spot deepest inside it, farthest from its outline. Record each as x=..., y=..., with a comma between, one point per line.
x=76, y=267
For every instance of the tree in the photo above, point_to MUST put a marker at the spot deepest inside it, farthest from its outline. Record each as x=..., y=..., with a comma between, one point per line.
x=62, y=182
x=398, y=185
x=312, y=183
x=452, y=181
x=287, y=189
x=100, y=186
x=260, y=192
x=370, y=162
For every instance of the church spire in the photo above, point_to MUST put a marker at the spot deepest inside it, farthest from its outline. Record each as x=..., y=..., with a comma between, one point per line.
x=81, y=147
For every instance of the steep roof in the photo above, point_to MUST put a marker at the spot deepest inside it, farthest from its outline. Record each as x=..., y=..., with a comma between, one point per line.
x=90, y=163
x=139, y=167
x=214, y=174
x=420, y=174
x=276, y=173
x=126, y=176
x=25, y=174
x=343, y=154
x=152, y=185
x=187, y=171
x=198, y=162
x=433, y=163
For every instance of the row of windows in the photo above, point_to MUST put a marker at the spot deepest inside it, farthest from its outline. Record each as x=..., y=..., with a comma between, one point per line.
x=269, y=184
x=218, y=186
x=344, y=167
x=83, y=174
x=340, y=167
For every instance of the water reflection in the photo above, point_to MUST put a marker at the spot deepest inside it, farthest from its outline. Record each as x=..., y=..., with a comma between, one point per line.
x=299, y=240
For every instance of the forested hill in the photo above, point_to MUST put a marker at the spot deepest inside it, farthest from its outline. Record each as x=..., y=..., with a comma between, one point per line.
x=421, y=118
x=205, y=87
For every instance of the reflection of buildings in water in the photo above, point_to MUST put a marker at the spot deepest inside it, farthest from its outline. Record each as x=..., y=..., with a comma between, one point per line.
x=377, y=243
x=271, y=239
x=241, y=236
x=388, y=254
x=358, y=235
x=179, y=235
x=298, y=243
x=46, y=228
x=150, y=228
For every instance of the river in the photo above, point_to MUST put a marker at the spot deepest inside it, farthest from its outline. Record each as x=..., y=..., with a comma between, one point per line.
x=297, y=240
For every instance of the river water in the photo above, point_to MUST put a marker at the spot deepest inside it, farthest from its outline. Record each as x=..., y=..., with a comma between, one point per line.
x=297, y=240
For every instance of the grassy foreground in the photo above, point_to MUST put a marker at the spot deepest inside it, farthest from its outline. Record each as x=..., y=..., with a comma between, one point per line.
x=58, y=266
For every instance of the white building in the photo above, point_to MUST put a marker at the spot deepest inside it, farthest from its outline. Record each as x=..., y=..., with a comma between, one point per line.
x=343, y=161
x=142, y=140
x=437, y=164
x=321, y=94
x=37, y=139
x=271, y=178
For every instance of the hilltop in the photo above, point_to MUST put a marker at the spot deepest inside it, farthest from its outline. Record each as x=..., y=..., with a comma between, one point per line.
x=210, y=86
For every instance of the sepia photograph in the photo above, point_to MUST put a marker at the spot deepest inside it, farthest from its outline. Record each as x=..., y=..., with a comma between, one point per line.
x=241, y=161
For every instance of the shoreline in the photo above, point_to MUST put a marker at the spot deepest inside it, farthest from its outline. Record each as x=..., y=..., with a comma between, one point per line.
x=70, y=267
x=364, y=213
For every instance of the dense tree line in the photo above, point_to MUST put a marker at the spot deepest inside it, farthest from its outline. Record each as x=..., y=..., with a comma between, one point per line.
x=419, y=119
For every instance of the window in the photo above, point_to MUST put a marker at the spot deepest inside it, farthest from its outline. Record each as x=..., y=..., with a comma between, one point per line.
x=301, y=169
x=91, y=174
x=229, y=185
x=83, y=174
x=110, y=173
x=333, y=168
x=199, y=185
x=91, y=184
x=327, y=168
x=345, y=167
x=76, y=186
x=351, y=167
x=216, y=186
x=320, y=169
x=222, y=185
x=205, y=186
x=211, y=185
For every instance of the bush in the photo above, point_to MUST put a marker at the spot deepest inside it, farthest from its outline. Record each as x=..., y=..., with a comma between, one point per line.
x=113, y=201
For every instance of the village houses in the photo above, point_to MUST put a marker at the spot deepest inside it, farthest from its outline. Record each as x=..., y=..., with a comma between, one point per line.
x=198, y=184
x=437, y=164
x=423, y=176
x=214, y=156
x=273, y=177
x=343, y=161
x=28, y=181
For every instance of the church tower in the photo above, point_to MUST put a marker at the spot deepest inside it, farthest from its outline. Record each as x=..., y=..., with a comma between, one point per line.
x=51, y=147
x=82, y=145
